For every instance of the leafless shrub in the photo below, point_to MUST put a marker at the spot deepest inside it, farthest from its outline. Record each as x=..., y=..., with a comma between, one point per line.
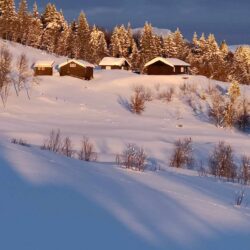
x=138, y=100
x=86, y=152
x=133, y=157
x=217, y=108
x=183, y=154
x=202, y=172
x=245, y=170
x=20, y=142
x=243, y=114
x=221, y=162
x=211, y=89
x=166, y=95
x=239, y=197
x=54, y=142
x=67, y=148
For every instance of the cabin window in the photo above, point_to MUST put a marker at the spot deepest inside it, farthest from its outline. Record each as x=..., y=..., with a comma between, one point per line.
x=182, y=70
x=72, y=65
x=108, y=67
x=41, y=68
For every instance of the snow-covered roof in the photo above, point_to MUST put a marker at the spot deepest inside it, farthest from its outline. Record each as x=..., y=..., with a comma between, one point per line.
x=44, y=64
x=169, y=61
x=113, y=61
x=79, y=62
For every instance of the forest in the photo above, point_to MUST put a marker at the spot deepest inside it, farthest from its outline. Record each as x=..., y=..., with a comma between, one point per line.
x=50, y=31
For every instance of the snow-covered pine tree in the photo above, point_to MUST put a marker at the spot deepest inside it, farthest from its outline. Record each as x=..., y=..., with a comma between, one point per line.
x=121, y=42
x=83, y=38
x=98, y=45
x=180, y=45
x=169, y=46
x=71, y=48
x=22, y=23
x=147, y=44
x=35, y=29
x=53, y=23
x=135, y=58
x=240, y=69
x=224, y=48
x=7, y=19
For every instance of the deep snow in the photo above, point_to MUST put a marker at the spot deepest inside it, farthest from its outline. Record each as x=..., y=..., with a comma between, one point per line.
x=51, y=202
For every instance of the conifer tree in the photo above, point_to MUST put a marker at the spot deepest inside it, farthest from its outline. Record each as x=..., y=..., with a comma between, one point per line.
x=22, y=23
x=135, y=58
x=53, y=23
x=35, y=29
x=98, y=45
x=147, y=44
x=240, y=70
x=169, y=46
x=7, y=19
x=83, y=38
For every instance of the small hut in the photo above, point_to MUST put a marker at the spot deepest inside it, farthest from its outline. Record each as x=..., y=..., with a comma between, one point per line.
x=77, y=68
x=43, y=68
x=110, y=63
x=166, y=66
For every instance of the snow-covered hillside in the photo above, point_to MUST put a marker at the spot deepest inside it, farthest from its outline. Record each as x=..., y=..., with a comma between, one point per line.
x=52, y=202
x=233, y=48
x=156, y=31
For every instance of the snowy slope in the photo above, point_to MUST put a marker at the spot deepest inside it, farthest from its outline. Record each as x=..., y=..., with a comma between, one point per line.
x=234, y=47
x=156, y=31
x=51, y=202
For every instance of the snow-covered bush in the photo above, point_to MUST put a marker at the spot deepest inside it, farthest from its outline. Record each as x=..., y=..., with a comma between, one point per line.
x=133, y=157
x=86, y=152
x=221, y=162
x=182, y=155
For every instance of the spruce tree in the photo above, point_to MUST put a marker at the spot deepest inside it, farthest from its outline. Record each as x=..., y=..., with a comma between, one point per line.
x=8, y=19
x=98, y=45
x=22, y=23
x=83, y=38
x=35, y=29
x=147, y=44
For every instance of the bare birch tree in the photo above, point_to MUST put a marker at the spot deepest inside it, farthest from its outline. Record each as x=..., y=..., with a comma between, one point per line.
x=5, y=70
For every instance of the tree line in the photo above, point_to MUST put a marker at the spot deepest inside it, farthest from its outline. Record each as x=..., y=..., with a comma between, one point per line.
x=51, y=32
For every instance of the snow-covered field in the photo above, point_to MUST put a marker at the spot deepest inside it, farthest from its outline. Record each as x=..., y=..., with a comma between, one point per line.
x=52, y=202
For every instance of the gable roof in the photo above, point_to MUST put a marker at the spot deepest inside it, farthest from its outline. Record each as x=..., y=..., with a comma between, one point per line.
x=44, y=64
x=172, y=62
x=113, y=61
x=79, y=62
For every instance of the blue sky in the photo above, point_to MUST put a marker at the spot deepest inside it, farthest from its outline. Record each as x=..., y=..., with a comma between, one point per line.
x=227, y=19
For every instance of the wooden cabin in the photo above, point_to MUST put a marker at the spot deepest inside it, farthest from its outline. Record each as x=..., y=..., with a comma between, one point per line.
x=166, y=66
x=77, y=68
x=110, y=63
x=43, y=68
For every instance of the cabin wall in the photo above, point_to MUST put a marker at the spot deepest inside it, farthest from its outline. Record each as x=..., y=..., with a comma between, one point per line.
x=43, y=71
x=125, y=67
x=77, y=71
x=160, y=68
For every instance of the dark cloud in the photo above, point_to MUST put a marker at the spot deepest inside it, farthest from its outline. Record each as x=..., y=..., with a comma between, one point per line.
x=228, y=19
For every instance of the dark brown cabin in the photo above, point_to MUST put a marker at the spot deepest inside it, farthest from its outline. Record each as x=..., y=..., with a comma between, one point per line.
x=43, y=68
x=79, y=69
x=166, y=66
x=110, y=63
